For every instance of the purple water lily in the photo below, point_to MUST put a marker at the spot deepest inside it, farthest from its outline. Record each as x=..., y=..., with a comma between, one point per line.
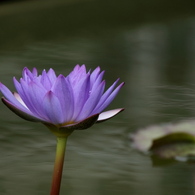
x=72, y=102
x=63, y=104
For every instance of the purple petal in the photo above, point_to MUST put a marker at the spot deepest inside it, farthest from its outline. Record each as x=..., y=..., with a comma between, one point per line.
x=24, y=74
x=108, y=100
x=81, y=93
x=45, y=81
x=51, y=75
x=91, y=102
x=94, y=74
x=104, y=97
x=52, y=108
x=17, y=96
x=21, y=89
x=109, y=114
x=28, y=75
x=10, y=97
x=16, y=84
x=77, y=75
x=35, y=72
x=22, y=113
x=97, y=81
x=32, y=96
x=25, y=97
x=62, y=89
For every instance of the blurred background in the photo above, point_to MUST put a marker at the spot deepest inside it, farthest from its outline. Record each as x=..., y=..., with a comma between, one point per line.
x=148, y=44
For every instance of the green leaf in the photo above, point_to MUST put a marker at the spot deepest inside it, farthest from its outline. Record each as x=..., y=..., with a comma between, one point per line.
x=167, y=141
x=172, y=138
x=174, y=145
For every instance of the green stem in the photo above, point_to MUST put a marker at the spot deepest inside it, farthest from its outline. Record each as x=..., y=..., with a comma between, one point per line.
x=58, y=167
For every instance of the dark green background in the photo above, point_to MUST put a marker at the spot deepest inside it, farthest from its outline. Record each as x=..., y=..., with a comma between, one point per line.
x=148, y=44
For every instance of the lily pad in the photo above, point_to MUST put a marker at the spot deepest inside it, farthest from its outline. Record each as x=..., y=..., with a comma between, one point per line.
x=174, y=144
x=168, y=141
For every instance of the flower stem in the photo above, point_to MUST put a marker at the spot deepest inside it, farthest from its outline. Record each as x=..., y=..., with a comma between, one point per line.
x=58, y=166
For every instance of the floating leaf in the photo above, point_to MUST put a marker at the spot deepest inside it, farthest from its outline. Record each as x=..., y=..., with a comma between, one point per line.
x=172, y=138
x=169, y=141
x=174, y=144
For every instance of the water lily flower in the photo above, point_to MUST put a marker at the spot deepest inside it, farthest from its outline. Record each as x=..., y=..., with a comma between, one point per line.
x=64, y=103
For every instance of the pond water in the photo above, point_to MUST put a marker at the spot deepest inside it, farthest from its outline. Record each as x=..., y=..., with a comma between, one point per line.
x=149, y=45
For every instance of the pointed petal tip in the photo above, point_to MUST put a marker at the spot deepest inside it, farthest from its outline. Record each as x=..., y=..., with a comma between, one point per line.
x=1, y=84
x=25, y=69
x=98, y=69
x=109, y=114
x=61, y=76
x=19, y=112
x=121, y=84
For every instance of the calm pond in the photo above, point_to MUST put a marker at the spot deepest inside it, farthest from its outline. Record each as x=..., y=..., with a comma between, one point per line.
x=148, y=44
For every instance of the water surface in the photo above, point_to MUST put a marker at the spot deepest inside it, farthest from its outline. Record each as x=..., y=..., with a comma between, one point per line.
x=150, y=46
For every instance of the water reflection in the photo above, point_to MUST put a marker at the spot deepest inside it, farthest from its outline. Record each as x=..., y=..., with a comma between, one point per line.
x=154, y=56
